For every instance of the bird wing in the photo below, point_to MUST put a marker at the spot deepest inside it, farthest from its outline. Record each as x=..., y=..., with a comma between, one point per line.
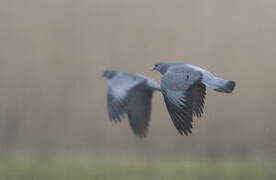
x=179, y=87
x=118, y=94
x=139, y=110
x=199, y=92
x=129, y=94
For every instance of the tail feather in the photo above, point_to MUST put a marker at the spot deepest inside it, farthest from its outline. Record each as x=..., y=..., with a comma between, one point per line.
x=215, y=83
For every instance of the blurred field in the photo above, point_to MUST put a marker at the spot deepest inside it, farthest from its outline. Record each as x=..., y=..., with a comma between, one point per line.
x=86, y=167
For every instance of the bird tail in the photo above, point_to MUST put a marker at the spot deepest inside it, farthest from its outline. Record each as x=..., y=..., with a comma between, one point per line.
x=225, y=86
x=216, y=83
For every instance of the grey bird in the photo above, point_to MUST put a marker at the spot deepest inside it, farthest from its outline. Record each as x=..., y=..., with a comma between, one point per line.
x=130, y=94
x=184, y=88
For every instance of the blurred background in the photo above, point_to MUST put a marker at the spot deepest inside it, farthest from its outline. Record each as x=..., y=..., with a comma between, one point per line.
x=53, y=119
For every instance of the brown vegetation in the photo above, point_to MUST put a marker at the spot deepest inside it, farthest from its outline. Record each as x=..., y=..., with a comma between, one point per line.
x=52, y=54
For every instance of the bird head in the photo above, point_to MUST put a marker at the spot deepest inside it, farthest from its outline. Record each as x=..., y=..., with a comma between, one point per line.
x=161, y=67
x=109, y=74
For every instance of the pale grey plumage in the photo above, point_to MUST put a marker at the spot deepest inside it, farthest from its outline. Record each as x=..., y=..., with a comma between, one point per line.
x=130, y=94
x=213, y=82
x=184, y=88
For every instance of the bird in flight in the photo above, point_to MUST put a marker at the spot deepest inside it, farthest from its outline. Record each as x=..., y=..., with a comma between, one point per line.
x=130, y=94
x=184, y=88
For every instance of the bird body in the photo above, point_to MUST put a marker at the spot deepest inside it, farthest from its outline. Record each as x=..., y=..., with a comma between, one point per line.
x=209, y=79
x=130, y=94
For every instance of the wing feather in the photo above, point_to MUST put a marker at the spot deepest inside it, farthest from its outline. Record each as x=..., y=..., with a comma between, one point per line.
x=117, y=95
x=184, y=96
x=131, y=95
x=139, y=110
x=198, y=92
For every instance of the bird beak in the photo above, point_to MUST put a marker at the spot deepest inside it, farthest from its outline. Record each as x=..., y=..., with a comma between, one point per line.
x=153, y=68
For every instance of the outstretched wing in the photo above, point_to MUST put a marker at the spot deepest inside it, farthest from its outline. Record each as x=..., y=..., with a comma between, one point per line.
x=180, y=109
x=179, y=87
x=129, y=94
x=118, y=94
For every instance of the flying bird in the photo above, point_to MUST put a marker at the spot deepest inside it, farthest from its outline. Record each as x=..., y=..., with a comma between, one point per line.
x=184, y=88
x=130, y=94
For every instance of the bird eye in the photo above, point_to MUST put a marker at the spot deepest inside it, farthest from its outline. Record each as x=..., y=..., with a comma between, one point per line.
x=155, y=65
